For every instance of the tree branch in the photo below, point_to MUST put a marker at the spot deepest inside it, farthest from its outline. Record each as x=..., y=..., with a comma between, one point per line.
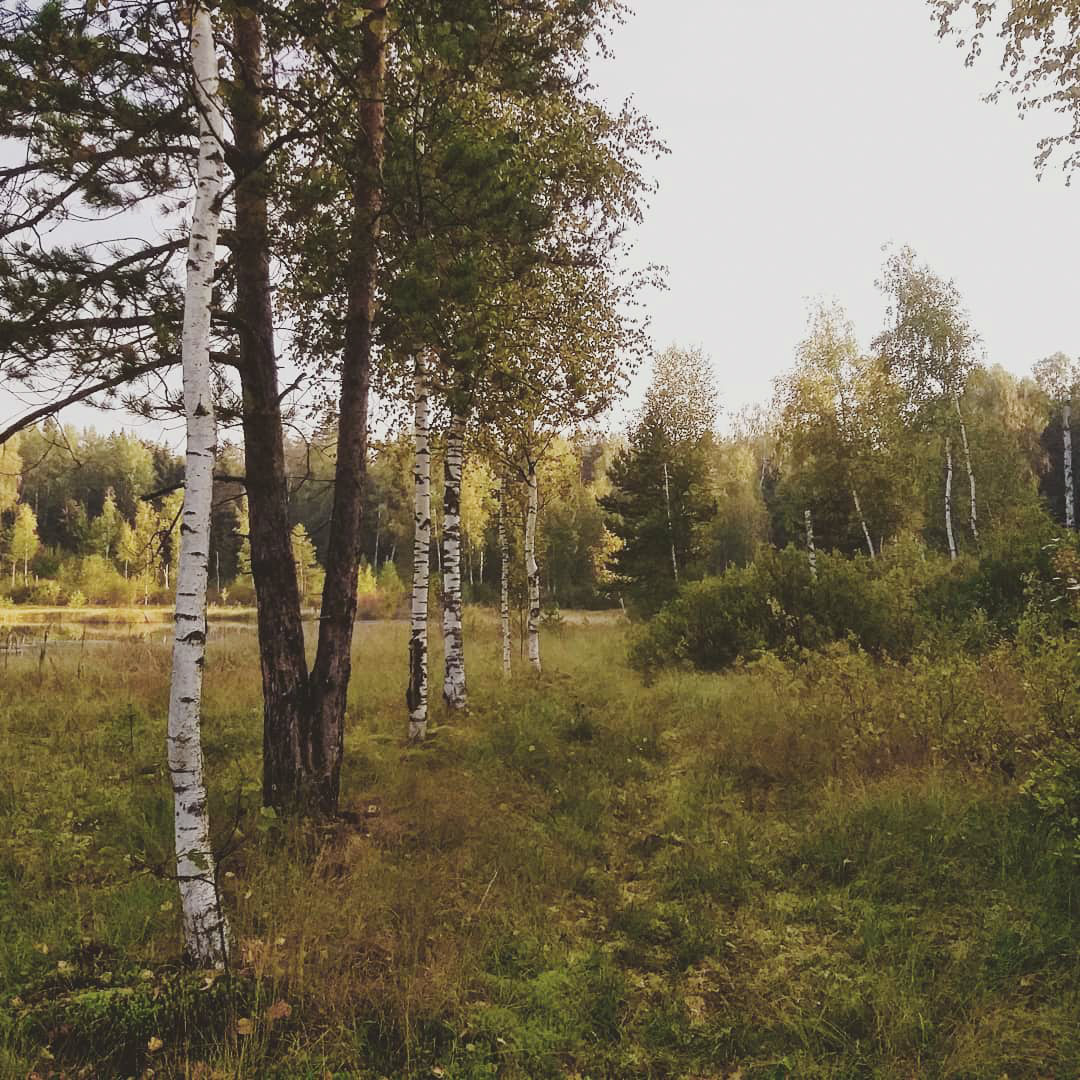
x=80, y=395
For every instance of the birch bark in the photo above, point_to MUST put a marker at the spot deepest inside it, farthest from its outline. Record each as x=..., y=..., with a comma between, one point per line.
x=811, y=551
x=454, y=678
x=532, y=570
x=670, y=526
x=1066, y=434
x=504, y=587
x=971, y=472
x=862, y=521
x=205, y=928
x=948, y=497
x=417, y=695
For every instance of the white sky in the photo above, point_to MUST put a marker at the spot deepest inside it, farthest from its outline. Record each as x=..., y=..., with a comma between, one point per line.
x=803, y=137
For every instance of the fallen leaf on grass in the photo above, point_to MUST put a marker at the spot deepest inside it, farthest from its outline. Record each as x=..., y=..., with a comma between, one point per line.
x=279, y=1011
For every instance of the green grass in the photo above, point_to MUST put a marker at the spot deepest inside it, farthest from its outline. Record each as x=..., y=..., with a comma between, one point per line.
x=712, y=876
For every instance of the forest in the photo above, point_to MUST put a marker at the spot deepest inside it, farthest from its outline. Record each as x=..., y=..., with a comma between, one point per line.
x=475, y=692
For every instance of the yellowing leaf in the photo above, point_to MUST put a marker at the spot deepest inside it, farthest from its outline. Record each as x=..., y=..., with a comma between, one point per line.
x=244, y=1026
x=154, y=1044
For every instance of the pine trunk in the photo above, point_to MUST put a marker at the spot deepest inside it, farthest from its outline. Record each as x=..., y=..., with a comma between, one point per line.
x=273, y=571
x=1066, y=435
x=974, y=520
x=453, y=640
x=504, y=585
x=862, y=522
x=416, y=696
x=205, y=928
x=324, y=738
x=532, y=570
x=948, y=497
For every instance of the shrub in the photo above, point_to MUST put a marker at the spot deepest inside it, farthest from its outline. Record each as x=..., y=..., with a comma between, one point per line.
x=1053, y=789
x=365, y=580
x=97, y=581
x=711, y=623
x=891, y=606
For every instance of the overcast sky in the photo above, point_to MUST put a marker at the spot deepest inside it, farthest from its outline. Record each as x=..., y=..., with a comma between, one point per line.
x=803, y=137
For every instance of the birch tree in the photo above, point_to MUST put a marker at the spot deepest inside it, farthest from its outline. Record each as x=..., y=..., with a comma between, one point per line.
x=837, y=411
x=416, y=697
x=205, y=927
x=24, y=539
x=453, y=639
x=948, y=497
x=504, y=580
x=1038, y=59
x=930, y=348
x=532, y=568
x=105, y=528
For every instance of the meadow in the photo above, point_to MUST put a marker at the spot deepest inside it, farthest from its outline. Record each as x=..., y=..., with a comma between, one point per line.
x=822, y=868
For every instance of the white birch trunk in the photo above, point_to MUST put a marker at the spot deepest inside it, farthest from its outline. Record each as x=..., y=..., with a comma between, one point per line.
x=811, y=551
x=532, y=570
x=453, y=639
x=504, y=587
x=970, y=471
x=417, y=695
x=205, y=929
x=862, y=522
x=1066, y=435
x=670, y=527
x=948, y=497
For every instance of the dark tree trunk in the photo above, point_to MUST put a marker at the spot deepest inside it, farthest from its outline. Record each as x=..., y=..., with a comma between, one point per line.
x=323, y=740
x=281, y=635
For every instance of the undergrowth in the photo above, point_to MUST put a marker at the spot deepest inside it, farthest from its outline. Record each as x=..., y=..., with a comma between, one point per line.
x=819, y=867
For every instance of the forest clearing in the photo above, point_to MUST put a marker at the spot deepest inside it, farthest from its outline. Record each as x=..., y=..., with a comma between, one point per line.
x=584, y=876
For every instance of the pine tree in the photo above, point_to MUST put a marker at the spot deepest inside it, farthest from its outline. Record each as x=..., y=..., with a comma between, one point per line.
x=659, y=482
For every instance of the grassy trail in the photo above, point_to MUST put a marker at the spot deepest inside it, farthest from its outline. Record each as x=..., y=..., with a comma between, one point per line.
x=713, y=876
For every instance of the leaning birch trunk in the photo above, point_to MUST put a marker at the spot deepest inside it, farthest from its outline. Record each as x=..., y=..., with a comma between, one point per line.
x=970, y=471
x=532, y=571
x=1066, y=434
x=504, y=587
x=811, y=551
x=862, y=522
x=417, y=695
x=948, y=497
x=205, y=928
x=454, y=678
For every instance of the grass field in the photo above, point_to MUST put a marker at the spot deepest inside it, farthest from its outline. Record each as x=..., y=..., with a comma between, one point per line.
x=758, y=874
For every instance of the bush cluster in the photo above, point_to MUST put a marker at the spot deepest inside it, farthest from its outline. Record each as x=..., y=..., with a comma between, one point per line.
x=892, y=605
